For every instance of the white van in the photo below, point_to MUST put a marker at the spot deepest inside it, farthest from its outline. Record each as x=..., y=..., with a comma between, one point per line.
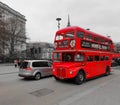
x=35, y=68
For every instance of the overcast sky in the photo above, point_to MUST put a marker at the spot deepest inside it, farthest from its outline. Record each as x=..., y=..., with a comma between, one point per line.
x=101, y=16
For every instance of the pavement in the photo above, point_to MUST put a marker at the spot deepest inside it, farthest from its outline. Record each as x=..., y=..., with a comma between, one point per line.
x=8, y=68
x=6, y=64
x=16, y=91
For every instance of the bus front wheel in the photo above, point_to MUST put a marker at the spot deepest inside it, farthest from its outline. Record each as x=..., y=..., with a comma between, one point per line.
x=80, y=78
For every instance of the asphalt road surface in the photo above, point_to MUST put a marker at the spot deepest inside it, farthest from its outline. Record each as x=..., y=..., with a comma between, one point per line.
x=15, y=90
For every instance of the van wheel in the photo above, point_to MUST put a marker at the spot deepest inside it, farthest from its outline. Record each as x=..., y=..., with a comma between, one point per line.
x=37, y=76
x=80, y=78
x=107, y=71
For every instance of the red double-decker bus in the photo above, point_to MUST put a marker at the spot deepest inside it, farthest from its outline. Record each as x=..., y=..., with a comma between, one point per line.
x=81, y=54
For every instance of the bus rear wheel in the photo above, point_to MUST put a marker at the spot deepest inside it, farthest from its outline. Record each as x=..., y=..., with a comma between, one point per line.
x=80, y=78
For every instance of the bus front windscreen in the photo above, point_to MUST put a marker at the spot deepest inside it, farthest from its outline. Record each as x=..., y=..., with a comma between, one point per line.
x=72, y=57
x=68, y=57
x=56, y=57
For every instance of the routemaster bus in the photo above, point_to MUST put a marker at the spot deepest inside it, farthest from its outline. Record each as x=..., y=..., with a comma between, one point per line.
x=81, y=54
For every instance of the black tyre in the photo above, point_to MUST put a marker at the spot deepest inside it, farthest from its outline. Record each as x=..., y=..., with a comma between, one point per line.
x=37, y=76
x=107, y=71
x=80, y=78
x=56, y=78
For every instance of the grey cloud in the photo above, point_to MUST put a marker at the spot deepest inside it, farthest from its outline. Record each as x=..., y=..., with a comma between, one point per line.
x=100, y=16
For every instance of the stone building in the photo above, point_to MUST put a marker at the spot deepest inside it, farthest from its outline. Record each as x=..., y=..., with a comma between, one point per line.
x=117, y=47
x=7, y=14
x=39, y=50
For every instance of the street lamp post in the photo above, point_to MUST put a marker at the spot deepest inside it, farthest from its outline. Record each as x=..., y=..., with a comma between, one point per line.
x=58, y=19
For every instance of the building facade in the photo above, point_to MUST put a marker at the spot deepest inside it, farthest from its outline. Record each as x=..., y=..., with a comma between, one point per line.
x=39, y=50
x=117, y=47
x=7, y=15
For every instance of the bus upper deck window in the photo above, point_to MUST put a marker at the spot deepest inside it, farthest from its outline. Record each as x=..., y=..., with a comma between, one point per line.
x=89, y=37
x=59, y=37
x=80, y=34
x=96, y=39
x=102, y=40
x=69, y=35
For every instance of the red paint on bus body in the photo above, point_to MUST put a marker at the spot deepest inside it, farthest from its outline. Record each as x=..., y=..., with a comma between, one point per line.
x=78, y=50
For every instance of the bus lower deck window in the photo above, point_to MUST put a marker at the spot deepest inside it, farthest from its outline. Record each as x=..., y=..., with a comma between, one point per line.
x=90, y=58
x=96, y=58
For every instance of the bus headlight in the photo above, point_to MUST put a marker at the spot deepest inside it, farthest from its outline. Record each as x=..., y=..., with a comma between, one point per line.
x=71, y=71
x=72, y=43
x=53, y=70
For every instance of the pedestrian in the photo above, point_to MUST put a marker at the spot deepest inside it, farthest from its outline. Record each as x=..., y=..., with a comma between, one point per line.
x=16, y=63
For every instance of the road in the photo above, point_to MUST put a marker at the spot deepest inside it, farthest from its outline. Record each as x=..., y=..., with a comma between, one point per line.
x=15, y=90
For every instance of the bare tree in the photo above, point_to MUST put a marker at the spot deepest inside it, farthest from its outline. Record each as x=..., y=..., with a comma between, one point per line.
x=3, y=38
x=15, y=32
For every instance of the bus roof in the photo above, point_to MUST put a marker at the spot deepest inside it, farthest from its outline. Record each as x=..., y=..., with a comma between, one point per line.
x=73, y=28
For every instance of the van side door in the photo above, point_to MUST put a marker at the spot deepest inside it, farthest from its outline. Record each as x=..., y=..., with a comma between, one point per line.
x=45, y=68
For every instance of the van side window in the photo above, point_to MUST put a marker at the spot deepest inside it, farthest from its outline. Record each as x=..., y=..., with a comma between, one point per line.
x=40, y=64
x=35, y=64
x=45, y=64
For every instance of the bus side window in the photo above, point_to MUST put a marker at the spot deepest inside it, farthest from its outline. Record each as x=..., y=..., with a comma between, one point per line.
x=89, y=37
x=102, y=40
x=90, y=58
x=106, y=57
x=96, y=39
x=96, y=58
x=80, y=34
x=102, y=58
